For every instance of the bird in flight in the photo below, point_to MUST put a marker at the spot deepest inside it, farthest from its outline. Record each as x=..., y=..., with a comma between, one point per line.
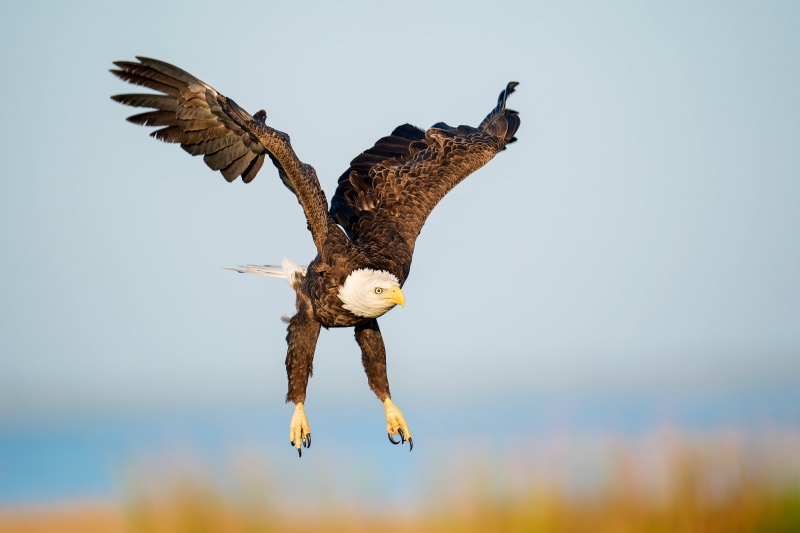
x=364, y=239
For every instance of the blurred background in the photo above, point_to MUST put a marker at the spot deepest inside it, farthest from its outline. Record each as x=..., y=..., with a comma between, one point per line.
x=602, y=325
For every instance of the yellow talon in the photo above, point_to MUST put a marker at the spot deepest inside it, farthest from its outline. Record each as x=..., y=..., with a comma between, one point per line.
x=299, y=432
x=396, y=423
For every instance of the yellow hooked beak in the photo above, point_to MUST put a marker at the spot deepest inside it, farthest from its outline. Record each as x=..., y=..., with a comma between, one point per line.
x=396, y=296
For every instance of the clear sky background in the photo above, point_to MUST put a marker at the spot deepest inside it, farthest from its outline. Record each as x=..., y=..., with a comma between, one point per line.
x=642, y=238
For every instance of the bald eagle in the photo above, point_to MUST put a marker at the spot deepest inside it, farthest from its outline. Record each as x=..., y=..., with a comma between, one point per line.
x=364, y=239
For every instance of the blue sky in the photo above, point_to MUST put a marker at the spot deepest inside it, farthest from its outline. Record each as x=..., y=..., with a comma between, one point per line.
x=641, y=238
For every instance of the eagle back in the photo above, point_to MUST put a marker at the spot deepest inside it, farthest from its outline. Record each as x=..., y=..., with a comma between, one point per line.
x=354, y=196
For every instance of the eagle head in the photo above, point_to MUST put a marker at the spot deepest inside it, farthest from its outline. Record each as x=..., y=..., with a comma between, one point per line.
x=370, y=293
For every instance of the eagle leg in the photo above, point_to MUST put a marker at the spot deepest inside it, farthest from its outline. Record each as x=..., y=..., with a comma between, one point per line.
x=302, y=335
x=373, y=356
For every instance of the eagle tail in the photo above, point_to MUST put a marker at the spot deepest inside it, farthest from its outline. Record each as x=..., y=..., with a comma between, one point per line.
x=288, y=270
x=261, y=270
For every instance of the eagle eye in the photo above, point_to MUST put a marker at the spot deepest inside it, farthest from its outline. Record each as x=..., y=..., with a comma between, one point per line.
x=378, y=290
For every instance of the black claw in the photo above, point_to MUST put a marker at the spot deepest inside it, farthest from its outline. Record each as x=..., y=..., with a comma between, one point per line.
x=300, y=452
x=410, y=444
x=292, y=443
x=309, y=440
x=402, y=435
x=392, y=440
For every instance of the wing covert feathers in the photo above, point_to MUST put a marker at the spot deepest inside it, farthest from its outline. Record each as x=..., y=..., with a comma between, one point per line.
x=193, y=114
x=352, y=192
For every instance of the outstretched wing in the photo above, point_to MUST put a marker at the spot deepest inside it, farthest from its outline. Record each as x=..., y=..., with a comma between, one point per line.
x=384, y=198
x=230, y=140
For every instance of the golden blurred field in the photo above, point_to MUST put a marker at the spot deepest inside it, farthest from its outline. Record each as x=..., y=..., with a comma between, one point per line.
x=665, y=484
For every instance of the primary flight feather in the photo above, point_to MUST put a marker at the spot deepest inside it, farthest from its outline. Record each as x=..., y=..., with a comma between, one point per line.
x=364, y=239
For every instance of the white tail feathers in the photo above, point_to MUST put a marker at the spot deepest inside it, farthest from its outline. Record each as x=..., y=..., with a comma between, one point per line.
x=288, y=270
x=261, y=270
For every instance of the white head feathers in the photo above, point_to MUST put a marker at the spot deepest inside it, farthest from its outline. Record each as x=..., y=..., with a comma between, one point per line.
x=364, y=292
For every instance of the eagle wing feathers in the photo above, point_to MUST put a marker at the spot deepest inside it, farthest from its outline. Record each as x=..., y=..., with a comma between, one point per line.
x=382, y=200
x=231, y=141
x=386, y=195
